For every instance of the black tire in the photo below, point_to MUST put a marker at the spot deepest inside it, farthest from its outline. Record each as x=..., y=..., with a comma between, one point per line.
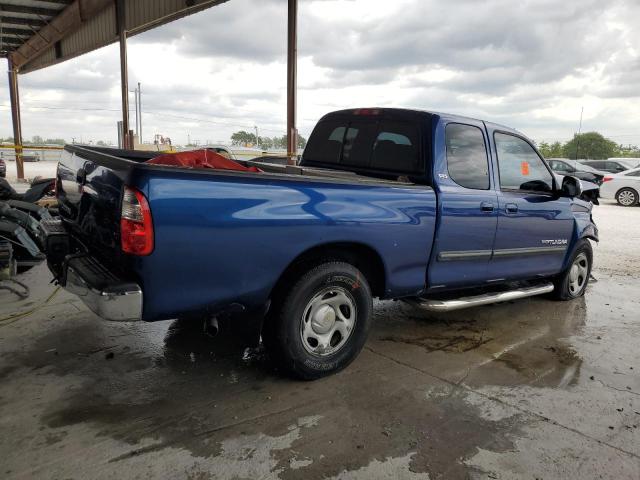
x=565, y=286
x=627, y=197
x=291, y=311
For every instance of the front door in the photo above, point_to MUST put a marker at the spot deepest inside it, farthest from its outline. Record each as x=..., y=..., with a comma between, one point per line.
x=467, y=204
x=535, y=226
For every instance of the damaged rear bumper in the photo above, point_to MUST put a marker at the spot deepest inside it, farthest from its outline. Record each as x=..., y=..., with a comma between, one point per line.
x=105, y=294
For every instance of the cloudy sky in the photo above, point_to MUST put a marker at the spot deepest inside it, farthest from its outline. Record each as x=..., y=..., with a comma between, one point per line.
x=531, y=64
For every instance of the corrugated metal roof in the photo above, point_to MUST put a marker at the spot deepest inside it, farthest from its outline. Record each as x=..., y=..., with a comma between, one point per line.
x=47, y=32
x=22, y=19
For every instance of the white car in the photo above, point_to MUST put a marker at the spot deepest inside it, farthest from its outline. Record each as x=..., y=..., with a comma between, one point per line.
x=624, y=187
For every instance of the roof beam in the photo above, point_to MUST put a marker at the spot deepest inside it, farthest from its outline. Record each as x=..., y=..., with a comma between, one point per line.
x=45, y=12
x=64, y=22
x=75, y=16
x=17, y=32
x=10, y=40
x=17, y=21
x=58, y=2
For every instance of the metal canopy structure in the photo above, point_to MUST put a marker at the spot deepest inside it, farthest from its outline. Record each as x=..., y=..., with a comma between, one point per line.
x=35, y=34
x=52, y=31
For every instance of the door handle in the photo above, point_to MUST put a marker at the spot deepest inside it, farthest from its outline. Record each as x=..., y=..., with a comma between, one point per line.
x=511, y=208
x=486, y=207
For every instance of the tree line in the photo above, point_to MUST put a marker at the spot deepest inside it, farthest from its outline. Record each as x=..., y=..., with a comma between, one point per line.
x=590, y=145
x=246, y=139
x=36, y=140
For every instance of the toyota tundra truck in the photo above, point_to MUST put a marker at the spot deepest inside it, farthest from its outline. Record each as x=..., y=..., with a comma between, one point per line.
x=438, y=210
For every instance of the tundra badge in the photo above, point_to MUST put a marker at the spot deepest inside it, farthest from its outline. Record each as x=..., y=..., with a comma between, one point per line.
x=558, y=241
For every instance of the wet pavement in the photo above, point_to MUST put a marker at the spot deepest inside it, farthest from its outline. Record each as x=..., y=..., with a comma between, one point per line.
x=527, y=389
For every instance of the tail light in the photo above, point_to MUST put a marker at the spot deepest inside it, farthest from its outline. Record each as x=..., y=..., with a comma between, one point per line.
x=136, y=225
x=607, y=179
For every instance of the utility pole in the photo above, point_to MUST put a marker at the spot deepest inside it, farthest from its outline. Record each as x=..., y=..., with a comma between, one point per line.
x=135, y=95
x=14, y=99
x=579, y=132
x=140, y=112
x=257, y=135
x=292, y=82
x=124, y=76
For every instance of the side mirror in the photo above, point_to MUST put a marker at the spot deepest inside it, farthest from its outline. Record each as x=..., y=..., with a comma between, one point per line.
x=571, y=187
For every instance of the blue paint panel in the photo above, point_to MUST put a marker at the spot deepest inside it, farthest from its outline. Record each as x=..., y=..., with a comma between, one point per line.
x=462, y=224
x=223, y=239
x=539, y=217
x=527, y=220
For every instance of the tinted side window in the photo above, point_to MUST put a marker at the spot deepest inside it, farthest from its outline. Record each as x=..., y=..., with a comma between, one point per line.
x=467, y=156
x=325, y=145
x=633, y=174
x=520, y=166
x=397, y=148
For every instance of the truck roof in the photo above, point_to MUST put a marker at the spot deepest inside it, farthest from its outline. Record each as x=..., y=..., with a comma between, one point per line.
x=399, y=112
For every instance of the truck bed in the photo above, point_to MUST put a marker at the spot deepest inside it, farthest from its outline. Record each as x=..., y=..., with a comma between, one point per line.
x=223, y=236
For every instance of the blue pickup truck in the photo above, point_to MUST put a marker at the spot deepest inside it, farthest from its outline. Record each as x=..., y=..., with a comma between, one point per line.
x=442, y=211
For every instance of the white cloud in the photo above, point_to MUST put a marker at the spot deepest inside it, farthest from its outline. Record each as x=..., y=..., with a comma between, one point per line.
x=531, y=65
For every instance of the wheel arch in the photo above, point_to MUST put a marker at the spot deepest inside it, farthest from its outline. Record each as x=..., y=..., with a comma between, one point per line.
x=360, y=255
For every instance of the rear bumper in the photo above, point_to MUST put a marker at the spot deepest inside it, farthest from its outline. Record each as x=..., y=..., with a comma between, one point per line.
x=106, y=294
x=101, y=291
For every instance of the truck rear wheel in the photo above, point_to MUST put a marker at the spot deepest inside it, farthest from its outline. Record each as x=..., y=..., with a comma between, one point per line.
x=320, y=325
x=573, y=282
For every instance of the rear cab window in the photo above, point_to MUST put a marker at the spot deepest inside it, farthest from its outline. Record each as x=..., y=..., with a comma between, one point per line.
x=367, y=145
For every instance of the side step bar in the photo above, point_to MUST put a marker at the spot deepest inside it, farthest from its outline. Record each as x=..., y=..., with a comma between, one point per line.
x=484, y=299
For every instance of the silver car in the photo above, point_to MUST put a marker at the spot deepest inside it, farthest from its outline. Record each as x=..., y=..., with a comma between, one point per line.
x=623, y=187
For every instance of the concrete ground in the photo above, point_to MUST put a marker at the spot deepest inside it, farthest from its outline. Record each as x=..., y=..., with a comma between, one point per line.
x=528, y=389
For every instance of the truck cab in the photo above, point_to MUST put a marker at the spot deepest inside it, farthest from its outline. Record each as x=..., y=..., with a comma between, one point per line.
x=501, y=212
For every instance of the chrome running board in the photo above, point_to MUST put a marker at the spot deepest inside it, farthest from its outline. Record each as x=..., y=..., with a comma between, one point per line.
x=484, y=299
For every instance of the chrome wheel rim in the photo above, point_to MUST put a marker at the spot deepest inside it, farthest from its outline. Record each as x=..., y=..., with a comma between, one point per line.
x=626, y=198
x=578, y=274
x=327, y=321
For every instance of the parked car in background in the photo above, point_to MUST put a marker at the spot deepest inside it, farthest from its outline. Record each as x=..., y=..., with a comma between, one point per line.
x=224, y=151
x=3, y=168
x=31, y=157
x=574, y=168
x=612, y=165
x=239, y=153
x=623, y=187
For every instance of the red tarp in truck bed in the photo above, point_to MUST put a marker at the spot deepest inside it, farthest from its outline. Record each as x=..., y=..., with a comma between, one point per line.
x=200, y=159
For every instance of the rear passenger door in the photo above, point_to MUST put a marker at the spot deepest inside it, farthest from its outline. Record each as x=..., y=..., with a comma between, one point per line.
x=535, y=226
x=467, y=204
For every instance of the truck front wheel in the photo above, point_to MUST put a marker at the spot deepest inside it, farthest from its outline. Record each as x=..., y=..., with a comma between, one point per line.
x=321, y=323
x=574, y=280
